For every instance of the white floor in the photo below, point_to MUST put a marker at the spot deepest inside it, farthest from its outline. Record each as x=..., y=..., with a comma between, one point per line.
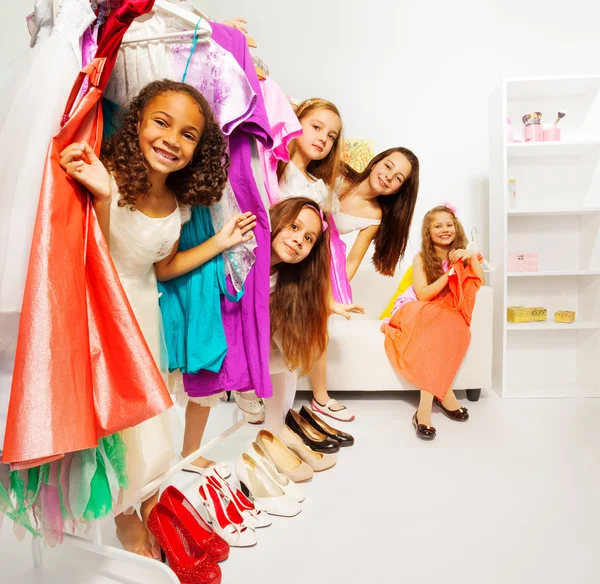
x=510, y=497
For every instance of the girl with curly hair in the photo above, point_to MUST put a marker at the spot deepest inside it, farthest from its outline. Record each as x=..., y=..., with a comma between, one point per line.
x=168, y=155
x=428, y=334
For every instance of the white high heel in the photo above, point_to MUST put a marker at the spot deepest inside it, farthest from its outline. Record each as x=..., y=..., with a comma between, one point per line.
x=253, y=515
x=228, y=525
x=267, y=493
x=286, y=483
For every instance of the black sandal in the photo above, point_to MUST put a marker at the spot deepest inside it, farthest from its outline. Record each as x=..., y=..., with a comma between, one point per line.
x=460, y=415
x=423, y=432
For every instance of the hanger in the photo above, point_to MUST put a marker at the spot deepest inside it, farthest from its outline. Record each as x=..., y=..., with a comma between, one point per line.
x=262, y=71
x=202, y=27
x=185, y=15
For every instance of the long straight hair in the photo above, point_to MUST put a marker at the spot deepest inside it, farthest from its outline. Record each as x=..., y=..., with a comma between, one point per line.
x=397, y=211
x=300, y=303
x=432, y=264
x=328, y=169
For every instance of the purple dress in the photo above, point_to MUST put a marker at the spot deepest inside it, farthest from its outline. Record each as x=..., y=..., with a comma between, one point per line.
x=247, y=323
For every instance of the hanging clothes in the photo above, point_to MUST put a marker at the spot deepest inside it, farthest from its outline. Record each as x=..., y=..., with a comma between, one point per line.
x=247, y=323
x=285, y=126
x=70, y=387
x=30, y=117
x=191, y=305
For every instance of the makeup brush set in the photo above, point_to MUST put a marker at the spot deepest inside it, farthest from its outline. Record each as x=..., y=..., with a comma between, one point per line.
x=536, y=132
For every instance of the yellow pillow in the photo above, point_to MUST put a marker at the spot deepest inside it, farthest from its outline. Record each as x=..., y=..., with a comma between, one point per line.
x=405, y=283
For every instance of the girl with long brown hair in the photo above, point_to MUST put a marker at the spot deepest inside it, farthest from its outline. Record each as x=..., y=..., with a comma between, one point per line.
x=169, y=154
x=299, y=306
x=428, y=334
x=379, y=204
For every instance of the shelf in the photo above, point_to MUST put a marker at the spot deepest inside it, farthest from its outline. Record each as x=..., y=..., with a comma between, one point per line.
x=550, y=325
x=552, y=212
x=545, y=87
x=553, y=273
x=525, y=149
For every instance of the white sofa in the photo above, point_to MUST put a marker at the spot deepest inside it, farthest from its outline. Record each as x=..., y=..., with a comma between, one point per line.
x=357, y=361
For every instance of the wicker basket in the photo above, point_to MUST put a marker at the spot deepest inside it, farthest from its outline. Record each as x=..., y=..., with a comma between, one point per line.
x=526, y=314
x=538, y=313
x=517, y=314
x=564, y=316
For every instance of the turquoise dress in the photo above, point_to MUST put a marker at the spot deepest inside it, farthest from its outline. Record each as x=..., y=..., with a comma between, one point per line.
x=191, y=305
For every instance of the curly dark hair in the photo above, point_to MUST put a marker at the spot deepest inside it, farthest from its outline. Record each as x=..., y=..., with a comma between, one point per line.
x=201, y=182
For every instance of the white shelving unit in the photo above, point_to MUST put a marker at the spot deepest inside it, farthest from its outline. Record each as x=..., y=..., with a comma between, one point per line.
x=556, y=213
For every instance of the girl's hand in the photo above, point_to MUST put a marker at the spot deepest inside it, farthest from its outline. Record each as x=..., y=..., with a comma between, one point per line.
x=237, y=230
x=345, y=309
x=239, y=23
x=81, y=163
x=457, y=255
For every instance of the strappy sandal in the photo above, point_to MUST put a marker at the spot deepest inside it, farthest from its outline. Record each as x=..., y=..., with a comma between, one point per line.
x=423, y=432
x=459, y=415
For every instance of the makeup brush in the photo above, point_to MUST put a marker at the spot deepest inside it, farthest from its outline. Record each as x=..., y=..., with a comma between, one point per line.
x=559, y=116
x=537, y=117
x=526, y=118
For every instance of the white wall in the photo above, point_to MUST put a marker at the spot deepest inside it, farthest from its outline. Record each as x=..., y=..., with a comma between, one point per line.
x=419, y=73
x=416, y=74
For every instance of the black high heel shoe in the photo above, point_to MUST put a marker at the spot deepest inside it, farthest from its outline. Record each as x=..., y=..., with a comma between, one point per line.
x=314, y=439
x=322, y=426
x=424, y=432
x=459, y=415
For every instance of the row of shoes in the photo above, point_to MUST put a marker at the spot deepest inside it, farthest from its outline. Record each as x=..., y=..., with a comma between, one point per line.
x=273, y=465
x=194, y=541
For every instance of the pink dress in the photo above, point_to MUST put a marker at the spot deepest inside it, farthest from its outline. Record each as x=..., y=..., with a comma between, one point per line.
x=285, y=126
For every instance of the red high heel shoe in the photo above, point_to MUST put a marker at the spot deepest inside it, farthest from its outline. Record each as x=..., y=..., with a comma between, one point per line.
x=239, y=503
x=214, y=545
x=191, y=564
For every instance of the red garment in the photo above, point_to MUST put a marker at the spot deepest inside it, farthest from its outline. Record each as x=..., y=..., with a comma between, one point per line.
x=82, y=367
x=426, y=341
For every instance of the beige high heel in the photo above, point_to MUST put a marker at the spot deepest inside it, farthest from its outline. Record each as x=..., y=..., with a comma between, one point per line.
x=283, y=458
x=316, y=460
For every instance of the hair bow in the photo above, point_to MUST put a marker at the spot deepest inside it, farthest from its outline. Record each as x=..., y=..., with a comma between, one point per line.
x=451, y=207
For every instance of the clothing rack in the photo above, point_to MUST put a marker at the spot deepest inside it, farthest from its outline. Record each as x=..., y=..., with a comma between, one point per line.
x=96, y=546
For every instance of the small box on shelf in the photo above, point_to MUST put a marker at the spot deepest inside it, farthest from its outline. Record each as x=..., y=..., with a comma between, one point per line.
x=523, y=262
x=526, y=314
x=566, y=316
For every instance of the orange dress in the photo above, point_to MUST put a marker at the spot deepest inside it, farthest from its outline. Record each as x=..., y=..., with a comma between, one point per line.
x=82, y=368
x=426, y=341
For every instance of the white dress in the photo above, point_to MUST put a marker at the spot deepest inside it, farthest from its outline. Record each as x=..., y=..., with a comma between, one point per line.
x=136, y=243
x=294, y=184
x=349, y=223
x=33, y=95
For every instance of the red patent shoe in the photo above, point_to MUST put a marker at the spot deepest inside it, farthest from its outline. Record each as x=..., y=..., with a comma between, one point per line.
x=191, y=564
x=214, y=545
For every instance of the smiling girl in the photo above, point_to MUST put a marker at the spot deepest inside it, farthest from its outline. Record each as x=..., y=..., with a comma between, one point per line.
x=169, y=154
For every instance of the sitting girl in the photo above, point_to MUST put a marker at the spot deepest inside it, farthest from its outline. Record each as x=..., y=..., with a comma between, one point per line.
x=428, y=334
